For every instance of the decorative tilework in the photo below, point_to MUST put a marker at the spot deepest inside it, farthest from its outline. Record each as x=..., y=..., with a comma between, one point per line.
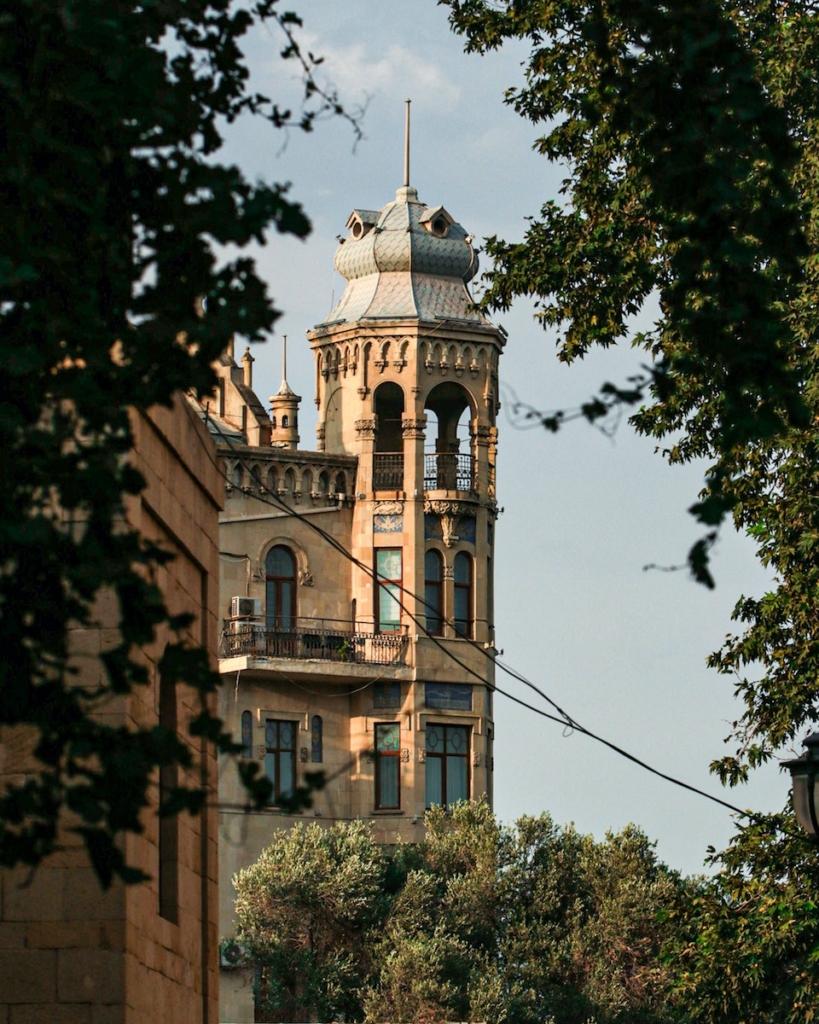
x=388, y=523
x=448, y=696
x=432, y=527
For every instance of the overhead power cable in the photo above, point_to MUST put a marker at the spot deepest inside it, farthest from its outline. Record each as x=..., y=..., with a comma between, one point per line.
x=564, y=718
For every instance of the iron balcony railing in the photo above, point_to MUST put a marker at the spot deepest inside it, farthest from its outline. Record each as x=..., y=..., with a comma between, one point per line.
x=449, y=471
x=388, y=471
x=310, y=639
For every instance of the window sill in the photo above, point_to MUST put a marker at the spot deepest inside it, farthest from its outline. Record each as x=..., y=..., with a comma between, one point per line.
x=387, y=812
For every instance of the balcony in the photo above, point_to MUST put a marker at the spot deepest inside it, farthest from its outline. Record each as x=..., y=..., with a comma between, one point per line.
x=388, y=471
x=314, y=640
x=449, y=471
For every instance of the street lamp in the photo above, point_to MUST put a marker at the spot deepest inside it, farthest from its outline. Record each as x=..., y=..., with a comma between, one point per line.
x=805, y=775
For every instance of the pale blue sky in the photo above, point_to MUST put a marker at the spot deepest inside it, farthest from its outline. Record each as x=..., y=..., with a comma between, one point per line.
x=623, y=650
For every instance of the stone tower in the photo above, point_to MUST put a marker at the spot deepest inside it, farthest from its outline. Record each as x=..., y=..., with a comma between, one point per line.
x=356, y=584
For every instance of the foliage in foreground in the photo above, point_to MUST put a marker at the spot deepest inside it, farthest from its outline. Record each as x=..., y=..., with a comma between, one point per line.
x=528, y=924
x=111, y=202
x=689, y=136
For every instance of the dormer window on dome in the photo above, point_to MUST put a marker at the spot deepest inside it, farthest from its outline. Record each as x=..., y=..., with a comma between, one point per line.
x=437, y=221
x=360, y=222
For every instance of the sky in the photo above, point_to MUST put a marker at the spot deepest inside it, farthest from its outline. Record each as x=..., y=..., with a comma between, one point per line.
x=620, y=647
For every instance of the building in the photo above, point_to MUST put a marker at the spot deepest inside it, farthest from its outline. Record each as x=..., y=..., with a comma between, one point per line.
x=356, y=581
x=69, y=952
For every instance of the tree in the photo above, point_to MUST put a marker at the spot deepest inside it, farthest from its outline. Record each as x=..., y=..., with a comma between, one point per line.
x=688, y=133
x=529, y=924
x=111, y=116
x=305, y=910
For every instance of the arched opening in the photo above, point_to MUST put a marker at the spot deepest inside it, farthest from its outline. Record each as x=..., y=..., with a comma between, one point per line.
x=388, y=460
x=463, y=603
x=449, y=465
x=280, y=588
x=433, y=592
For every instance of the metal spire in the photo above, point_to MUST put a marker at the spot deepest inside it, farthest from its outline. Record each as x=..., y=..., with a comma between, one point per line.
x=407, y=146
x=284, y=358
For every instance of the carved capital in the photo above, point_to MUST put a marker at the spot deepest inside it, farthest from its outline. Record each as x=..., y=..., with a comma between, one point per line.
x=484, y=436
x=449, y=572
x=413, y=427
x=365, y=428
x=259, y=752
x=422, y=755
x=476, y=759
x=303, y=753
x=405, y=754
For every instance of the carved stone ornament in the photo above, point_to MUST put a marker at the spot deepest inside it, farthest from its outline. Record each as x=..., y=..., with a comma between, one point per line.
x=303, y=753
x=260, y=752
x=450, y=513
x=449, y=572
x=306, y=579
x=405, y=754
x=476, y=758
x=484, y=435
x=422, y=755
x=388, y=508
x=365, y=428
x=412, y=427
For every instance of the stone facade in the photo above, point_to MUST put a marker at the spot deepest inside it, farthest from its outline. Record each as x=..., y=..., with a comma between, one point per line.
x=69, y=952
x=364, y=648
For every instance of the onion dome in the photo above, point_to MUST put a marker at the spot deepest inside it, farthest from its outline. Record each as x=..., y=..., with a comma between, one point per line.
x=407, y=260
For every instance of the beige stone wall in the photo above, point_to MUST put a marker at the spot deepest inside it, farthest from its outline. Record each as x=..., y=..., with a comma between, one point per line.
x=69, y=952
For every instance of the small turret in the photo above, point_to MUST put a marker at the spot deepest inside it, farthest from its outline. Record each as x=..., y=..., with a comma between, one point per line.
x=284, y=410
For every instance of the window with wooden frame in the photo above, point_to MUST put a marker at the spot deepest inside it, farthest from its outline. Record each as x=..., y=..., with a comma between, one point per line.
x=464, y=595
x=280, y=757
x=434, y=592
x=280, y=588
x=447, y=764
x=387, y=766
x=389, y=579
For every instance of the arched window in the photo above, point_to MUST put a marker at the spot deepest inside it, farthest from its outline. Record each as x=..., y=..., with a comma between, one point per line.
x=316, y=740
x=433, y=592
x=247, y=734
x=280, y=588
x=285, y=421
x=462, y=572
x=273, y=420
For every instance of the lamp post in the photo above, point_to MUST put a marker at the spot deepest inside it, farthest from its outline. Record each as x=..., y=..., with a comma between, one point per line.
x=805, y=776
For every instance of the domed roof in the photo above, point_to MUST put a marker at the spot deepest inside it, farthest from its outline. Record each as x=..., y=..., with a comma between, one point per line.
x=407, y=260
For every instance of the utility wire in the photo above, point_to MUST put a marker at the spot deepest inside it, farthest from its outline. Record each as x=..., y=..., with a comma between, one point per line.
x=565, y=719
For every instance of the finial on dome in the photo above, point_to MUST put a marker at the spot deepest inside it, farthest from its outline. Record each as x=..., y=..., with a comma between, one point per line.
x=407, y=146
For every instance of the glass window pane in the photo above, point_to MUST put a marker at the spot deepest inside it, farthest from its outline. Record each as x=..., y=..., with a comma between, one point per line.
x=287, y=734
x=316, y=740
x=286, y=610
x=432, y=565
x=387, y=737
x=286, y=766
x=389, y=610
x=270, y=772
x=456, y=740
x=463, y=565
x=247, y=734
x=271, y=733
x=280, y=562
x=461, y=609
x=388, y=563
x=457, y=779
x=388, y=781
x=435, y=738
x=433, y=779
x=432, y=607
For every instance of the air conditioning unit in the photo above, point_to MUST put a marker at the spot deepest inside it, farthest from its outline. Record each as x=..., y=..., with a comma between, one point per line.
x=245, y=608
x=232, y=954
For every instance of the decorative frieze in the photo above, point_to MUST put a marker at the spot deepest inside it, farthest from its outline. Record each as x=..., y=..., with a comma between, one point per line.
x=388, y=508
